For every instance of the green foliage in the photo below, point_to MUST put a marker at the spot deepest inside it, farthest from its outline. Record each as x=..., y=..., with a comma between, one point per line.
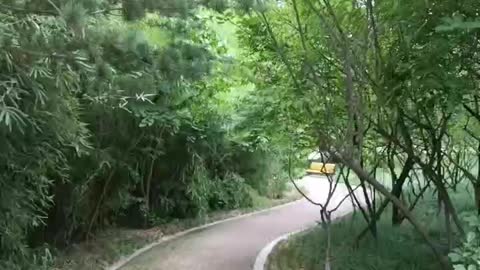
x=131, y=112
x=467, y=256
x=264, y=171
x=232, y=192
x=376, y=81
x=457, y=23
x=109, y=116
x=396, y=248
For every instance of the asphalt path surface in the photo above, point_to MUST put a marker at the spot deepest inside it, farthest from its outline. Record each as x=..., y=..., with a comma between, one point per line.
x=234, y=245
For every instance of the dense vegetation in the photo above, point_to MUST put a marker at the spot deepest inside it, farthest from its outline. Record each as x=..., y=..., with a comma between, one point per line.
x=129, y=113
x=389, y=85
x=121, y=113
x=394, y=247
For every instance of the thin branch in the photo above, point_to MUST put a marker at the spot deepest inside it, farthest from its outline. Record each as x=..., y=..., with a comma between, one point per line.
x=55, y=6
x=23, y=10
x=279, y=51
x=373, y=23
x=355, y=166
x=106, y=10
x=475, y=114
x=297, y=187
x=344, y=198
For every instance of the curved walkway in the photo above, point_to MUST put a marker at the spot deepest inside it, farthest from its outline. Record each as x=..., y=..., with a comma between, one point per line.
x=233, y=245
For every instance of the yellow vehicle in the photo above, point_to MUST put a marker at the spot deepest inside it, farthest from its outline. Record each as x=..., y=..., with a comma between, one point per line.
x=320, y=163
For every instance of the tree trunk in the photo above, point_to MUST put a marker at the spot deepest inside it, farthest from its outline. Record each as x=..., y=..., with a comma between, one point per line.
x=397, y=217
x=96, y=211
x=448, y=227
x=476, y=184
x=476, y=189
x=147, y=192
x=327, y=224
x=397, y=190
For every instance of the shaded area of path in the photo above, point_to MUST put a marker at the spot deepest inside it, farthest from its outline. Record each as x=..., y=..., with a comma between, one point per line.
x=234, y=245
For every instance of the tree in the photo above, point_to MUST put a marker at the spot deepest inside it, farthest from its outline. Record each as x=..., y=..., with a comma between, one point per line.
x=100, y=121
x=380, y=76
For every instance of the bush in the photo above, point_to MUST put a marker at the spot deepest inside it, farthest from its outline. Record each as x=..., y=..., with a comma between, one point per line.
x=467, y=256
x=263, y=170
x=396, y=247
x=232, y=192
x=101, y=125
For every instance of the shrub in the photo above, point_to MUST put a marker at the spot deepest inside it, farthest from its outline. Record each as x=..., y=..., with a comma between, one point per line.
x=232, y=192
x=263, y=170
x=467, y=256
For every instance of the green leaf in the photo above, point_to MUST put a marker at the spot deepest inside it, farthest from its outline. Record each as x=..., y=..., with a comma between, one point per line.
x=471, y=236
x=454, y=257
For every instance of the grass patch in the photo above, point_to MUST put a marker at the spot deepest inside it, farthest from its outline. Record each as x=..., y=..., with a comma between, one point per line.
x=397, y=247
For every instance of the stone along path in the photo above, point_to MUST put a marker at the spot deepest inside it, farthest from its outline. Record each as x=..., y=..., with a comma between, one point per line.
x=234, y=245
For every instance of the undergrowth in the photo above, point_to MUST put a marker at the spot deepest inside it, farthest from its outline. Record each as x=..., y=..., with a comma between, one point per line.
x=397, y=247
x=110, y=245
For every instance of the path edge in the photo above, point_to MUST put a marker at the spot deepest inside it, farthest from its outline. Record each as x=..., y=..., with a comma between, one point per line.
x=262, y=257
x=123, y=261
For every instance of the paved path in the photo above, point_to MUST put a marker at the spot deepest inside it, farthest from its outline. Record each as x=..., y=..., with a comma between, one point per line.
x=234, y=245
